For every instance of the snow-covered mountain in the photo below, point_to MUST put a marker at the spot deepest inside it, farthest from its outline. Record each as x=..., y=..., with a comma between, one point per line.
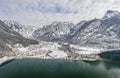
x=56, y=31
x=9, y=37
x=104, y=32
x=14, y=25
x=24, y=30
x=89, y=37
x=110, y=14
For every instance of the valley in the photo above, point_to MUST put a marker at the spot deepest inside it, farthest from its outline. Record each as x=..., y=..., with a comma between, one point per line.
x=61, y=40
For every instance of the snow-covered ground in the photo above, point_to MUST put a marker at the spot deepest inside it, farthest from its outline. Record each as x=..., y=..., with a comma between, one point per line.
x=58, y=54
x=86, y=50
x=2, y=60
x=51, y=50
x=44, y=49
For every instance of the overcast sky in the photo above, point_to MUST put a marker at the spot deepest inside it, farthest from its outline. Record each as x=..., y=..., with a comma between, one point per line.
x=41, y=12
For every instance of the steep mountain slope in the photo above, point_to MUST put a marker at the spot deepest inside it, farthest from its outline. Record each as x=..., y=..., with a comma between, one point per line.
x=25, y=31
x=57, y=31
x=8, y=37
x=103, y=32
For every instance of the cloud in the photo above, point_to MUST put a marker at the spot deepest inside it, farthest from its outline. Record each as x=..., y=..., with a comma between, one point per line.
x=41, y=12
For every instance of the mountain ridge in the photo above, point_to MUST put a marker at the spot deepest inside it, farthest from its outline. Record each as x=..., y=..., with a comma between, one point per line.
x=9, y=37
x=102, y=32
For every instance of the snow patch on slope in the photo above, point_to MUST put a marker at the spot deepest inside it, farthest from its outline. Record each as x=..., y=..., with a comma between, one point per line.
x=25, y=31
x=58, y=54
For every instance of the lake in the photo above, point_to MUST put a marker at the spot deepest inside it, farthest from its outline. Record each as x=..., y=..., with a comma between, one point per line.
x=44, y=68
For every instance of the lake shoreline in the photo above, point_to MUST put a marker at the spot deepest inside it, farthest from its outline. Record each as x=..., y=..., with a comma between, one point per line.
x=5, y=59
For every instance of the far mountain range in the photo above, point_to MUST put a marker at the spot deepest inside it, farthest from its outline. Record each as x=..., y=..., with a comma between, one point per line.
x=100, y=33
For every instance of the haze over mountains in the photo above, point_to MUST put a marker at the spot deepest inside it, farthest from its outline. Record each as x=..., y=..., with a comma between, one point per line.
x=102, y=33
x=69, y=29
x=84, y=40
